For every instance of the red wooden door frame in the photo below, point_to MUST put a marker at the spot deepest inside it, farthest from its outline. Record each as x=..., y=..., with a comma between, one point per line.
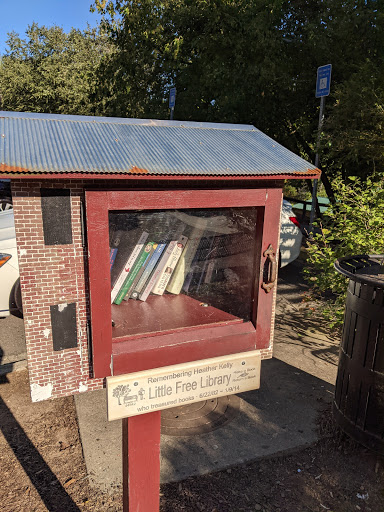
x=98, y=205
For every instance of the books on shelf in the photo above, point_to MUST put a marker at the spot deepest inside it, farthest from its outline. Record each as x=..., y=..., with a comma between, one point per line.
x=138, y=271
x=174, y=262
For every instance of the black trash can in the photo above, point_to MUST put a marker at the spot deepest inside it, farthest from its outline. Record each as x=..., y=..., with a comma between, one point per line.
x=358, y=407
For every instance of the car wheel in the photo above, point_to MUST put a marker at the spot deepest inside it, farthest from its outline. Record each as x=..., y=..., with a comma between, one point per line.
x=5, y=204
x=17, y=296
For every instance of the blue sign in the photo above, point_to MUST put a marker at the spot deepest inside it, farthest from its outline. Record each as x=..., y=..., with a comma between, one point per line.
x=323, y=82
x=172, y=97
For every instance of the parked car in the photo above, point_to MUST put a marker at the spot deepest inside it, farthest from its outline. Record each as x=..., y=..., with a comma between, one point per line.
x=10, y=295
x=5, y=195
x=290, y=235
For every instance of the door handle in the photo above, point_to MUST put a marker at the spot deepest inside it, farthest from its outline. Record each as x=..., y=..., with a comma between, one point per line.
x=270, y=271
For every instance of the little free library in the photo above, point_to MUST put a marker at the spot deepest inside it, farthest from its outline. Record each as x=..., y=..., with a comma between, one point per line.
x=142, y=245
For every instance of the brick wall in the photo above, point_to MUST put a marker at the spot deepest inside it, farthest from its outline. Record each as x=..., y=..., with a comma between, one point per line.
x=54, y=275
x=51, y=275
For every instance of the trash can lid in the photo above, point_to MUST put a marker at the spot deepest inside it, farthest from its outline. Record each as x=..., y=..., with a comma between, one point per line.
x=362, y=268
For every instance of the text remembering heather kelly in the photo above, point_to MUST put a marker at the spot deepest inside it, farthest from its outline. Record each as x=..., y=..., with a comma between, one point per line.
x=172, y=386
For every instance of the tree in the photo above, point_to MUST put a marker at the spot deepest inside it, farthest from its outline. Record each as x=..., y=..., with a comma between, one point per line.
x=353, y=140
x=120, y=391
x=51, y=71
x=240, y=61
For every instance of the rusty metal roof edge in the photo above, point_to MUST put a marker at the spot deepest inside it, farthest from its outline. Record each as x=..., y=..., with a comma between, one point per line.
x=6, y=170
x=131, y=121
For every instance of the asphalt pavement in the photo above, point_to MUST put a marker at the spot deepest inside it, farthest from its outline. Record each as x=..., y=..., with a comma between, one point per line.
x=13, y=353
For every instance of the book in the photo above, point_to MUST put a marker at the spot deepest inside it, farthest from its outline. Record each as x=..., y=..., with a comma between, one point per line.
x=128, y=265
x=214, y=254
x=115, y=239
x=149, y=285
x=183, y=265
x=169, y=266
x=199, y=263
x=149, y=267
x=112, y=257
x=227, y=245
x=140, y=272
x=137, y=266
x=218, y=223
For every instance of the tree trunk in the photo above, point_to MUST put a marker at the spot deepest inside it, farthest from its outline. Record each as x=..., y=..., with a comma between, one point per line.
x=328, y=187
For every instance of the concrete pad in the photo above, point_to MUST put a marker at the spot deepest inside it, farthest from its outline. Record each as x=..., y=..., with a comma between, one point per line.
x=279, y=417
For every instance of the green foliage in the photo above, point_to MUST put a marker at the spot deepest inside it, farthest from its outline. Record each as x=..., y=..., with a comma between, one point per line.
x=251, y=61
x=236, y=61
x=354, y=132
x=51, y=71
x=297, y=189
x=354, y=226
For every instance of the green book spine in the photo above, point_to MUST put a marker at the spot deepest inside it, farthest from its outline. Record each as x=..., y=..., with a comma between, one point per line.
x=135, y=270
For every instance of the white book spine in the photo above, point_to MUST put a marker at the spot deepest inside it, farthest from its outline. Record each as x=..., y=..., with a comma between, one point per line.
x=129, y=263
x=169, y=266
x=183, y=265
x=156, y=274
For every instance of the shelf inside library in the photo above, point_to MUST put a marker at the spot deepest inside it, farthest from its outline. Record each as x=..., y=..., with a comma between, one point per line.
x=164, y=314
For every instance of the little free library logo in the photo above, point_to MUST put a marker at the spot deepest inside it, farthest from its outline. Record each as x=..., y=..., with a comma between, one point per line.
x=162, y=388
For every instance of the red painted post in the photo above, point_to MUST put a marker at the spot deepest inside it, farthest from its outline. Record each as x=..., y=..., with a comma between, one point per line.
x=141, y=463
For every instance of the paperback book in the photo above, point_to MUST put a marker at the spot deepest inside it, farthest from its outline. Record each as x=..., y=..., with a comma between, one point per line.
x=137, y=266
x=184, y=263
x=149, y=267
x=128, y=265
x=169, y=266
x=149, y=285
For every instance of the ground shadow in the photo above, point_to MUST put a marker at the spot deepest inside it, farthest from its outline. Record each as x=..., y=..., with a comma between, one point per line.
x=42, y=478
x=300, y=323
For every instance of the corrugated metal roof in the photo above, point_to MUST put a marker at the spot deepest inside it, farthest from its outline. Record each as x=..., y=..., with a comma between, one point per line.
x=48, y=143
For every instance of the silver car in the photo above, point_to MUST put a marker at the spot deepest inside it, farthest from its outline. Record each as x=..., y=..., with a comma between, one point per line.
x=10, y=295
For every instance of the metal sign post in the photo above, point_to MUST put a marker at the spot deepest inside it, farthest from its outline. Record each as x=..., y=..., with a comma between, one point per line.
x=323, y=86
x=172, y=100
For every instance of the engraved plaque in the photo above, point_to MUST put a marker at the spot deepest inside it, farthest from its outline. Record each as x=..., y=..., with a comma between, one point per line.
x=153, y=390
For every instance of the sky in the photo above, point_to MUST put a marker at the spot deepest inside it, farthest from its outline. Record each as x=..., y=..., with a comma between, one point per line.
x=16, y=15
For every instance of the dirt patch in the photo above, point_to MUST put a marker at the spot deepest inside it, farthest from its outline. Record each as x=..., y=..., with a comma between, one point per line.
x=41, y=459
x=42, y=469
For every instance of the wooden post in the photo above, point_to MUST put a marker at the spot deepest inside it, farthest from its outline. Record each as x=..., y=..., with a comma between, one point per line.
x=141, y=463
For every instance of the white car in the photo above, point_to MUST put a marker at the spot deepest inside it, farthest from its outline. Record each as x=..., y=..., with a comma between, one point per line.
x=290, y=235
x=10, y=295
